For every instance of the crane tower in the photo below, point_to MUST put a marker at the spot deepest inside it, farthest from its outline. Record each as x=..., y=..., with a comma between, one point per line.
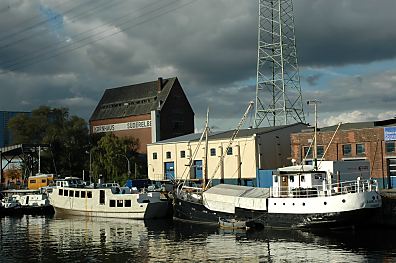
x=278, y=90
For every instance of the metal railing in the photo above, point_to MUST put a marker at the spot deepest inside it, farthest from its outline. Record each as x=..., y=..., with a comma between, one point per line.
x=356, y=186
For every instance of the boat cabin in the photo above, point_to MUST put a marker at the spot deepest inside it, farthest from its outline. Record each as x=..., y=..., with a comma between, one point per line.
x=70, y=182
x=297, y=181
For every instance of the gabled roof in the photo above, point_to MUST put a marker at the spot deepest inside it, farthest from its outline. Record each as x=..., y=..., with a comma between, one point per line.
x=133, y=99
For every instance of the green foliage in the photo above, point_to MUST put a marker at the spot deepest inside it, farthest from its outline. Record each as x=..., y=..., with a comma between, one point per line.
x=110, y=158
x=67, y=136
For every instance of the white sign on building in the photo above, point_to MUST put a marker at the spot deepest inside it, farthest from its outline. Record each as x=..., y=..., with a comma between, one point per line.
x=122, y=126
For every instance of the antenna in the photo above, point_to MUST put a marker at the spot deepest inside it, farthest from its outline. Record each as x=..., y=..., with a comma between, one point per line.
x=278, y=91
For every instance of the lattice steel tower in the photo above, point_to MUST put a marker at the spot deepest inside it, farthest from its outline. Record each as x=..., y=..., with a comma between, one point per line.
x=278, y=90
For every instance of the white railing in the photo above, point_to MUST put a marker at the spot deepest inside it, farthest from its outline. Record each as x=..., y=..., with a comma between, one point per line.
x=356, y=186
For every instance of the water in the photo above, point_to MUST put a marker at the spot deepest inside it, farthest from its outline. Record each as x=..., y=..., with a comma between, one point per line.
x=80, y=239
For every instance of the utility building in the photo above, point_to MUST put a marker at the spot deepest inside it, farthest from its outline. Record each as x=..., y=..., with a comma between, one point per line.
x=372, y=141
x=252, y=149
x=149, y=112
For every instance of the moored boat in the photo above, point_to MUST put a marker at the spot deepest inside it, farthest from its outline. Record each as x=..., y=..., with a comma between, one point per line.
x=70, y=196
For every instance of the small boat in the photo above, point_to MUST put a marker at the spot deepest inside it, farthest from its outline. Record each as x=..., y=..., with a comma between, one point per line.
x=232, y=224
x=25, y=202
x=70, y=196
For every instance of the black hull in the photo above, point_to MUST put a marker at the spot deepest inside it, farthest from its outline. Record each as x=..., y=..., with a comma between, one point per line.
x=30, y=210
x=198, y=213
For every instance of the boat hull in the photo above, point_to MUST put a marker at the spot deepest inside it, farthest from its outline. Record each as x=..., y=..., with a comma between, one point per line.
x=27, y=210
x=198, y=213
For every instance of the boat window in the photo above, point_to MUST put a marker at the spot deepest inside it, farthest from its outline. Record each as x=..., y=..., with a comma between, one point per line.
x=71, y=193
x=66, y=193
x=44, y=181
x=77, y=194
x=302, y=178
x=102, y=197
x=112, y=203
x=60, y=192
x=127, y=203
x=120, y=203
x=291, y=178
x=275, y=178
x=82, y=194
x=89, y=194
x=32, y=181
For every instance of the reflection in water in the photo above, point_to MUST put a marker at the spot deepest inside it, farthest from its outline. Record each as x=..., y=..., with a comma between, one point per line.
x=82, y=239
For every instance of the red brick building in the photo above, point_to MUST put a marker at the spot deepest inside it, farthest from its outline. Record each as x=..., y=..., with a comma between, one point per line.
x=373, y=141
x=150, y=112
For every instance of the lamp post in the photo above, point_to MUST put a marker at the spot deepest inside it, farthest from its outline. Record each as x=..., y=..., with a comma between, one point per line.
x=129, y=165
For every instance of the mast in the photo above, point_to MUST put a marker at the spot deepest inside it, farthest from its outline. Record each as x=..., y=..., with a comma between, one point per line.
x=315, y=150
x=205, y=177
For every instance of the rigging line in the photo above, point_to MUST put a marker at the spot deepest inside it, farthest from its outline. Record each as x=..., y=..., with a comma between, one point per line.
x=328, y=146
x=2, y=38
x=47, y=29
x=96, y=40
x=52, y=47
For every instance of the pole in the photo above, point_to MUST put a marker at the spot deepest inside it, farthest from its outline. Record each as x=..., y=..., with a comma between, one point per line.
x=315, y=153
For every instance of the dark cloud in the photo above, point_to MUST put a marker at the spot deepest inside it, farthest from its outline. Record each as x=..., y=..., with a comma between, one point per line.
x=211, y=46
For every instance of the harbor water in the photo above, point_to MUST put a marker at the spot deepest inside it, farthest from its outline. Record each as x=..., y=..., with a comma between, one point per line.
x=81, y=239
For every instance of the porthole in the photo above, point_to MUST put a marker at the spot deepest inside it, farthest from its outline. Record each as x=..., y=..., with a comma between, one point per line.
x=343, y=200
x=284, y=204
x=274, y=203
x=293, y=203
x=325, y=203
x=373, y=197
x=303, y=204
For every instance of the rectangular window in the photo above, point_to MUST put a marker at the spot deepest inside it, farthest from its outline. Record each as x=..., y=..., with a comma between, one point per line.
x=89, y=194
x=71, y=193
x=127, y=203
x=390, y=147
x=155, y=156
x=291, y=178
x=307, y=152
x=112, y=203
x=82, y=194
x=360, y=149
x=32, y=181
x=77, y=194
x=168, y=155
x=275, y=178
x=320, y=151
x=229, y=151
x=213, y=152
x=66, y=193
x=102, y=197
x=346, y=149
x=182, y=154
x=43, y=181
x=302, y=178
x=60, y=192
x=120, y=203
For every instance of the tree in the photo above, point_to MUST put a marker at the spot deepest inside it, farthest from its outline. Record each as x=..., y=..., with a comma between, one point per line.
x=67, y=136
x=111, y=157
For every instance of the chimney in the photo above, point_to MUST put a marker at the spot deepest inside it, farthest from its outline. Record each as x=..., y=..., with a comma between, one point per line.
x=159, y=85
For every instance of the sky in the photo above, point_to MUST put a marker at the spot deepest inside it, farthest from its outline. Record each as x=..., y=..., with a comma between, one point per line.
x=66, y=53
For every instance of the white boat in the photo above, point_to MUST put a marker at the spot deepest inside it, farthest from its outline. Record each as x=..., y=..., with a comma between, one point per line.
x=70, y=196
x=18, y=202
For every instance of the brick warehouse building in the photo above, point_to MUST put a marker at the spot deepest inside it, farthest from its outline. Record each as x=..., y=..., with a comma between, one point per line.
x=151, y=111
x=373, y=141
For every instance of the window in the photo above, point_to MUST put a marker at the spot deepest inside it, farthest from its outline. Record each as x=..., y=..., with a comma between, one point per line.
x=102, y=197
x=291, y=179
x=120, y=203
x=212, y=152
x=60, y=192
x=320, y=151
x=32, y=181
x=168, y=155
x=127, y=203
x=66, y=193
x=307, y=152
x=154, y=156
x=302, y=178
x=89, y=194
x=71, y=193
x=43, y=181
x=77, y=194
x=346, y=149
x=182, y=154
x=275, y=178
x=229, y=151
x=112, y=203
x=360, y=149
x=390, y=147
x=82, y=194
